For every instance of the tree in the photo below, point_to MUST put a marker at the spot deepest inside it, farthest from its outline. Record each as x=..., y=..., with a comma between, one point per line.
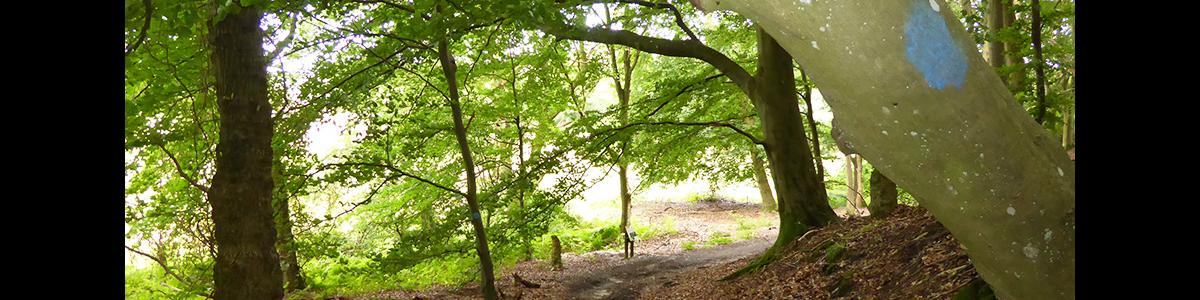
x=247, y=265
x=884, y=196
x=765, y=192
x=450, y=70
x=1002, y=185
x=801, y=195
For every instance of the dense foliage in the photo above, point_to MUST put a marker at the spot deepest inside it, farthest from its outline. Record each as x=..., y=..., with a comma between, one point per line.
x=383, y=207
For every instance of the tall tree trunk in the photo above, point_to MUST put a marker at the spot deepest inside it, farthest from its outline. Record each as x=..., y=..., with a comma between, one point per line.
x=812, y=126
x=884, y=196
x=760, y=177
x=528, y=247
x=1066, y=126
x=623, y=85
x=854, y=199
x=801, y=196
x=993, y=47
x=1012, y=51
x=918, y=101
x=285, y=241
x=285, y=244
x=247, y=266
x=1039, y=64
x=450, y=69
x=802, y=199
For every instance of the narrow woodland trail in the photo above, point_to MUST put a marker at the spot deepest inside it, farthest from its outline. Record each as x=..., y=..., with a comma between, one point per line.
x=623, y=281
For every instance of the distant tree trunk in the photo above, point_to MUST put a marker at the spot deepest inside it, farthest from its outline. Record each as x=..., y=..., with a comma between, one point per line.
x=1038, y=67
x=929, y=112
x=1012, y=51
x=528, y=248
x=760, y=177
x=854, y=199
x=884, y=196
x=812, y=126
x=247, y=265
x=286, y=246
x=1066, y=126
x=802, y=199
x=800, y=194
x=450, y=69
x=623, y=85
x=555, y=253
x=285, y=241
x=993, y=47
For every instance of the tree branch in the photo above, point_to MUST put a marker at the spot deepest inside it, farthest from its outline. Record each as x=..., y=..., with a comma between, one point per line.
x=285, y=42
x=402, y=172
x=685, y=89
x=162, y=263
x=179, y=169
x=676, y=48
x=674, y=10
x=145, y=27
x=708, y=124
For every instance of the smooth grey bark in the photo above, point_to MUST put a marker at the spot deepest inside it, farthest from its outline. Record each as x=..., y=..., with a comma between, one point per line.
x=952, y=134
x=760, y=178
x=854, y=193
x=993, y=47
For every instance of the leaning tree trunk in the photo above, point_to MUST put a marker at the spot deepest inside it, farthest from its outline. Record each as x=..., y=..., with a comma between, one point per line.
x=884, y=196
x=450, y=69
x=916, y=99
x=760, y=177
x=802, y=199
x=247, y=266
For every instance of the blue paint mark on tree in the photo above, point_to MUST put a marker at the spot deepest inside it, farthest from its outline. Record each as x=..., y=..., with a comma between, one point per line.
x=931, y=50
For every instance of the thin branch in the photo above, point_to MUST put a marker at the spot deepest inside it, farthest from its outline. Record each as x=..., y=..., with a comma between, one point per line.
x=285, y=42
x=708, y=124
x=674, y=10
x=402, y=172
x=165, y=268
x=179, y=169
x=676, y=48
x=145, y=27
x=685, y=89
x=370, y=197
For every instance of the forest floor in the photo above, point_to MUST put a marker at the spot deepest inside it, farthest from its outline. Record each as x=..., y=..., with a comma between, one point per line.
x=906, y=255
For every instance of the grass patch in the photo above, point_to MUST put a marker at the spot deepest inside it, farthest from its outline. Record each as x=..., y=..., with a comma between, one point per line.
x=719, y=238
x=688, y=245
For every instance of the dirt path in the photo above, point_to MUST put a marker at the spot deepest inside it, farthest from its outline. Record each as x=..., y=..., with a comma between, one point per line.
x=625, y=280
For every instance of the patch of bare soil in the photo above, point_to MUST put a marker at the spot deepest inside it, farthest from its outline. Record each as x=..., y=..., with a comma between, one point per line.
x=606, y=275
x=907, y=255
x=696, y=222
